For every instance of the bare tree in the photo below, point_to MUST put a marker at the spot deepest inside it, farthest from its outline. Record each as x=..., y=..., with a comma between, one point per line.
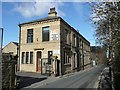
x=106, y=18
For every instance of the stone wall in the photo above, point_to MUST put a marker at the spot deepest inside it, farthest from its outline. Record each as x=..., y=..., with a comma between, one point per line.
x=8, y=72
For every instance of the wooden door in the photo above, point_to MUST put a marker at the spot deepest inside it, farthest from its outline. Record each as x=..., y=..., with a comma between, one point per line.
x=38, y=63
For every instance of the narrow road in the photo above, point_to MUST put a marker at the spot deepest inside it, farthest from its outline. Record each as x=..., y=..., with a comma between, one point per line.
x=83, y=79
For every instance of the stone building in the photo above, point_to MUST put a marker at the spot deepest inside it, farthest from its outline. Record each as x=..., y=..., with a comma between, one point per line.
x=52, y=36
x=11, y=48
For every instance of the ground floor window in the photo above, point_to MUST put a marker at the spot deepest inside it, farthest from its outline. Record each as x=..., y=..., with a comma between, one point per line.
x=50, y=53
x=66, y=57
x=27, y=58
x=23, y=57
x=31, y=57
x=74, y=59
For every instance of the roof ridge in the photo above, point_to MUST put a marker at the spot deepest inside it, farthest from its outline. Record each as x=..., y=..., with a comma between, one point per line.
x=41, y=19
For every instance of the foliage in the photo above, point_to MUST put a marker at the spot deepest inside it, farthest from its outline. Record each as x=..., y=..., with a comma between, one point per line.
x=106, y=18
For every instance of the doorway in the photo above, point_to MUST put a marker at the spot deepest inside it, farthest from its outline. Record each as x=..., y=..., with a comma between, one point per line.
x=58, y=69
x=38, y=63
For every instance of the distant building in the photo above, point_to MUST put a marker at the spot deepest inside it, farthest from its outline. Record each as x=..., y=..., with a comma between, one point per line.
x=11, y=48
x=52, y=36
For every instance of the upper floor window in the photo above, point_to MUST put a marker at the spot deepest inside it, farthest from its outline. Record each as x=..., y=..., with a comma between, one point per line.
x=67, y=34
x=79, y=42
x=74, y=39
x=45, y=33
x=29, y=35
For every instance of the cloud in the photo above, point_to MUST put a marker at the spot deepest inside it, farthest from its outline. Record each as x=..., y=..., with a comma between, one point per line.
x=31, y=9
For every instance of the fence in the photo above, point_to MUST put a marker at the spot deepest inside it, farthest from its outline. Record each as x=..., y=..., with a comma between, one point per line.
x=46, y=67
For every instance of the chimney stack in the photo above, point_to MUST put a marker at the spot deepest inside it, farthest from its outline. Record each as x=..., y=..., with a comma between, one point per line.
x=52, y=12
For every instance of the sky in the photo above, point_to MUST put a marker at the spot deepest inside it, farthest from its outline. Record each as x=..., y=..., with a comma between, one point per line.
x=76, y=14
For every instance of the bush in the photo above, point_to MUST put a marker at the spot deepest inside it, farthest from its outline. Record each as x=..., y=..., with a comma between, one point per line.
x=116, y=67
x=117, y=80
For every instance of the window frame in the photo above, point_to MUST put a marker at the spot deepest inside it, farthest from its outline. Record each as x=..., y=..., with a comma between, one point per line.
x=23, y=58
x=48, y=32
x=30, y=35
x=27, y=58
x=31, y=58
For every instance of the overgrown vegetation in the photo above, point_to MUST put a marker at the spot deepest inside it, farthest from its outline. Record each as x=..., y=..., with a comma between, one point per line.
x=106, y=18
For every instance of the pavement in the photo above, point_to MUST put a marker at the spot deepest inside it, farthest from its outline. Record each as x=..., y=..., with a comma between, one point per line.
x=105, y=80
x=31, y=74
x=25, y=79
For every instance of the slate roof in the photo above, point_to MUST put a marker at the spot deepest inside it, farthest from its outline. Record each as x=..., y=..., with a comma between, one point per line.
x=15, y=43
x=39, y=20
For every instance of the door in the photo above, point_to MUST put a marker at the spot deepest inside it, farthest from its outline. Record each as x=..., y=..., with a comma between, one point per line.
x=58, y=69
x=38, y=63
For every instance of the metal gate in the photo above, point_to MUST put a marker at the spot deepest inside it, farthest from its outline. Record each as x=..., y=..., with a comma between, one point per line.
x=46, y=67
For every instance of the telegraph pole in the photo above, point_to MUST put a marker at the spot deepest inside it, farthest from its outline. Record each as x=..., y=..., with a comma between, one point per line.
x=1, y=42
x=1, y=39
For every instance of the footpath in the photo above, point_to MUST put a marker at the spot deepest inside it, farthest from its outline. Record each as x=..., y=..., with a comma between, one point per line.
x=106, y=80
x=25, y=79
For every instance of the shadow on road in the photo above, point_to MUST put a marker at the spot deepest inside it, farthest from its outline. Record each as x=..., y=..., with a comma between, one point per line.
x=26, y=81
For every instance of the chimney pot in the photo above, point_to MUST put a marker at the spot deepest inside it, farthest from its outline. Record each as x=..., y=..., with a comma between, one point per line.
x=52, y=12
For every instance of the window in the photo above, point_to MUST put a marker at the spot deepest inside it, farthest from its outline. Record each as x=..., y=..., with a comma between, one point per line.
x=74, y=59
x=29, y=35
x=27, y=57
x=45, y=33
x=50, y=53
x=74, y=39
x=68, y=59
x=67, y=36
x=31, y=57
x=23, y=57
x=64, y=57
x=80, y=43
x=11, y=53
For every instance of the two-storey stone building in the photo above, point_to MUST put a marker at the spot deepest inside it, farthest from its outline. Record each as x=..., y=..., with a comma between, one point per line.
x=52, y=36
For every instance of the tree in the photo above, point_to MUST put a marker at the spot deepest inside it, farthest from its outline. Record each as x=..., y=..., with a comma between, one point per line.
x=106, y=18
